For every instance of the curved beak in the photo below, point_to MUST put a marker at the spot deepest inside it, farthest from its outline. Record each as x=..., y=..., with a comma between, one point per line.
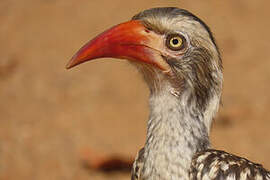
x=130, y=40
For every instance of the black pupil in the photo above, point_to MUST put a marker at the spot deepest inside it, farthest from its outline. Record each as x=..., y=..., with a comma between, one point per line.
x=175, y=41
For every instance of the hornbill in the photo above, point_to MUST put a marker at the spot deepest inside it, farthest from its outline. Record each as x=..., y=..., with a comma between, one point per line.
x=179, y=60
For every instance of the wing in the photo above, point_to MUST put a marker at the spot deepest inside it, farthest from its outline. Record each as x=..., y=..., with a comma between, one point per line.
x=137, y=165
x=219, y=165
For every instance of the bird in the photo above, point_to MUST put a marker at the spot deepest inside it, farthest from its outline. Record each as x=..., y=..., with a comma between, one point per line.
x=178, y=58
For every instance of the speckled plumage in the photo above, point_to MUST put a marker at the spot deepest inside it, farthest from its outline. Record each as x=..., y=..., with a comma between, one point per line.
x=183, y=105
x=215, y=164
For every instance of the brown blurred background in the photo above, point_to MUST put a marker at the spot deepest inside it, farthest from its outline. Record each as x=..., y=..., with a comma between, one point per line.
x=49, y=115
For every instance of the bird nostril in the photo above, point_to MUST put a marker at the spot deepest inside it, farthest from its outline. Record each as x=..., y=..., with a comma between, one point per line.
x=147, y=31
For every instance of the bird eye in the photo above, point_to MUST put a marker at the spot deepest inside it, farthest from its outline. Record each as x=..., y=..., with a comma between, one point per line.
x=175, y=42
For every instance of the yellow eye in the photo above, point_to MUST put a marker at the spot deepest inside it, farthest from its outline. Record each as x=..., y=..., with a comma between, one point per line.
x=175, y=42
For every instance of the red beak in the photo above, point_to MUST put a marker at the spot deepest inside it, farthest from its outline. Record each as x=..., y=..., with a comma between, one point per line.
x=130, y=40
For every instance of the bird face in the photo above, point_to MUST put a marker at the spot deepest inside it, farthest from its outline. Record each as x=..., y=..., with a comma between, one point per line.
x=168, y=45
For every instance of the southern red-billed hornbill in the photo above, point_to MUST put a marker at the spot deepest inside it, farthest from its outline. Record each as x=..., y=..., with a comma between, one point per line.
x=178, y=57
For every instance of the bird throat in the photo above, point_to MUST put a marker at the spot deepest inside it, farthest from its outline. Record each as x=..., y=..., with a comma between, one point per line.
x=176, y=131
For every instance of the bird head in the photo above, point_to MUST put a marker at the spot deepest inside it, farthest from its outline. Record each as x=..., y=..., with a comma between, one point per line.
x=174, y=50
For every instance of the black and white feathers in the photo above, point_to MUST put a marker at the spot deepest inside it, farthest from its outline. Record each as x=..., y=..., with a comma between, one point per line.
x=215, y=164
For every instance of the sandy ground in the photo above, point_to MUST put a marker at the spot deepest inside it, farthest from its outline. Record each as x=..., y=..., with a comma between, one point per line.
x=50, y=115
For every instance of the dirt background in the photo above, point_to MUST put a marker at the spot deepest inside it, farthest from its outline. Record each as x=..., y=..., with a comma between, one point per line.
x=49, y=115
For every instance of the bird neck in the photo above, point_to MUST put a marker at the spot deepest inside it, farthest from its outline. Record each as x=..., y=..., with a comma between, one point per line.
x=177, y=129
